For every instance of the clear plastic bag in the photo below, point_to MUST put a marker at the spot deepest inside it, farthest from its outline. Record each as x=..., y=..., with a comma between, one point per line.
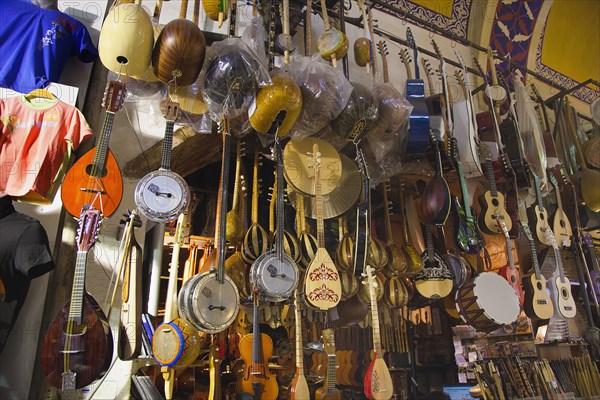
x=358, y=115
x=231, y=77
x=325, y=92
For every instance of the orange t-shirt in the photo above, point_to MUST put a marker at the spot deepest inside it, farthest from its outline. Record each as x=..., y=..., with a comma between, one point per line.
x=34, y=142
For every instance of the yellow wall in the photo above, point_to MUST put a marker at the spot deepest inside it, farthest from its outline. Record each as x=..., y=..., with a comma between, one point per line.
x=443, y=7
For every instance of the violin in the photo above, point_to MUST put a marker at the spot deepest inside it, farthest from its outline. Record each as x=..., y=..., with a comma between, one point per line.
x=255, y=350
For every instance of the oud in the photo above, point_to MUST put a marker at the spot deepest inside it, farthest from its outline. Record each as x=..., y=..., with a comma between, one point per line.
x=78, y=345
x=95, y=179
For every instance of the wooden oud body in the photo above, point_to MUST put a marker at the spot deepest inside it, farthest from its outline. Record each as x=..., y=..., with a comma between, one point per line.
x=322, y=285
x=322, y=393
x=299, y=388
x=537, y=303
x=79, y=186
x=91, y=344
x=378, y=382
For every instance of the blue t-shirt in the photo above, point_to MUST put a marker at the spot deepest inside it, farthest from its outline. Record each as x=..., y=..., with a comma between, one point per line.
x=35, y=45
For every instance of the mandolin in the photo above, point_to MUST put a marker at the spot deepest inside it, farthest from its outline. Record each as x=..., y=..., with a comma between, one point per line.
x=539, y=214
x=510, y=272
x=378, y=382
x=492, y=202
x=418, y=131
x=467, y=236
x=78, y=345
x=322, y=286
x=255, y=350
x=179, y=51
x=435, y=279
x=163, y=194
x=537, y=303
x=328, y=391
x=95, y=179
x=299, y=387
x=257, y=240
x=126, y=39
x=435, y=200
x=560, y=286
x=561, y=226
x=275, y=273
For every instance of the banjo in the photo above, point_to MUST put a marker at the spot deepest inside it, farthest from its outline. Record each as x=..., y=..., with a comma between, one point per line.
x=211, y=300
x=163, y=194
x=275, y=273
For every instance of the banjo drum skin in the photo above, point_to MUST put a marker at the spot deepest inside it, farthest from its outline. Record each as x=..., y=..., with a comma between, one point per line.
x=487, y=302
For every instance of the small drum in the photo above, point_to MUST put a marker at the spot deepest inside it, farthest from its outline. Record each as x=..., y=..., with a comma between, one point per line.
x=487, y=302
x=176, y=343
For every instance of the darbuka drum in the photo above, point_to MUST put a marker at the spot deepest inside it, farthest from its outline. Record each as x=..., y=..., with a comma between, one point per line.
x=487, y=302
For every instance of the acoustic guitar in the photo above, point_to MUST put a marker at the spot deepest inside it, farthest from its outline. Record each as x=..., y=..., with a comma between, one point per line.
x=255, y=350
x=328, y=391
x=78, y=345
x=418, y=131
x=299, y=387
x=537, y=303
x=561, y=226
x=539, y=214
x=322, y=286
x=510, y=272
x=560, y=286
x=95, y=179
x=378, y=382
x=492, y=201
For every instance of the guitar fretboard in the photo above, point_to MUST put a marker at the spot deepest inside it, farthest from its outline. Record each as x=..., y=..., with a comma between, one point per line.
x=76, y=307
x=167, y=149
x=101, y=149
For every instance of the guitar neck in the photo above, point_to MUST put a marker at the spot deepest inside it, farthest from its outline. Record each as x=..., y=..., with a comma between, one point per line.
x=78, y=289
x=280, y=205
x=257, y=354
x=374, y=316
x=237, y=179
x=167, y=146
x=534, y=258
x=299, y=350
x=319, y=209
x=102, y=148
x=559, y=266
x=221, y=220
x=464, y=190
x=509, y=253
x=254, y=216
x=538, y=192
x=489, y=168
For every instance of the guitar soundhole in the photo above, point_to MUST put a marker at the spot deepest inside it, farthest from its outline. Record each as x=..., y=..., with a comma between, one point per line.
x=93, y=170
x=513, y=279
x=541, y=216
x=565, y=293
x=495, y=202
x=562, y=223
x=539, y=285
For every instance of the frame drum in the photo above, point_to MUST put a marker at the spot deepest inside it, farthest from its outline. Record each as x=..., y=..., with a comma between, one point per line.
x=487, y=302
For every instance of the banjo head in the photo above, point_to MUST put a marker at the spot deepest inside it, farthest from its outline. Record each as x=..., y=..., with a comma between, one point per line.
x=162, y=195
x=214, y=305
x=276, y=279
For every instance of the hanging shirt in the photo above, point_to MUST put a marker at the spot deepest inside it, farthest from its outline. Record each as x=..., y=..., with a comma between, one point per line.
x=33, y=145
x=36, y=43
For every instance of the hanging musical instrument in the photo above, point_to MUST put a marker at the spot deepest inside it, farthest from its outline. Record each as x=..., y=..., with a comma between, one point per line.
x=274, y=273
x=257, y=240
x=332, y=44
x=179, y=51
x=255, y=350
x=363, y=46
x=540, y=214
x=299, y=387
x=510, y=272
x=377, y=253
x=216, y=10
x=492, y=201
x=378, y=382
x=126, y=39
x=595, y=271
x=307, y=242
x=461, y=270
x=349, y=283
x=163, y=194
x=344, y=254
x=537, y=303
x=78, y=344
x=130, y=322
x=478, y=305
x=434, y=281
x=214, y=365
x=464, y=127
x=234, y=231
x=435, y=200
x=176, y=341
x=467, y=236
x=560, y=286
x=322, y=286
x=341, y=198
x=561, y=226
x=398, y=260
x=328, y=391
x=358, y=116
x=364, y=290
x=290, y=241
x=95, y=179
x=590, y=191
x=418, y=132
x=211, y=300
x=413, y=261
x=395, y=293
